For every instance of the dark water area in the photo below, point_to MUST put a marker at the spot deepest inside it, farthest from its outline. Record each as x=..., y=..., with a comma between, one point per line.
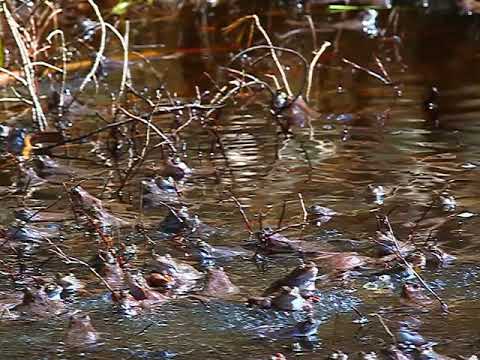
x=401, y=149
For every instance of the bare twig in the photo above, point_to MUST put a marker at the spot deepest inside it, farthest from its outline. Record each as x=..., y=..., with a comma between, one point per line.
x=291, y=226
x=312, y=29
x=302, y=204
x=275, y=80
x=47, y=65
x=382, y=69
x=270, y=44
x=91, y=133
x=38, y=115
x=254, y=78
x=282, y=214
x=73, y=260
x=385, y=327
x=244, y=215
x=311, y=68
x=410, y=268
x=124, y=43
x=101, y=48
x=238, y=86
x=417, y=222
x=15, y=76
x=166, y=140
x=64, y=65
x=369, y=72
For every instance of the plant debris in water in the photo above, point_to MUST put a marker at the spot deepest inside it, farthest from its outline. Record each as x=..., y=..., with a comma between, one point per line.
x=227, y=179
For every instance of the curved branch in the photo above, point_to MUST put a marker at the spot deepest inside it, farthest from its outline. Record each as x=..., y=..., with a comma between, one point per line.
x=101, y=48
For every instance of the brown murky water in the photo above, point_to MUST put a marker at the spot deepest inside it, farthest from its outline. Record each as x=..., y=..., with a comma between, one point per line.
x=367, y=135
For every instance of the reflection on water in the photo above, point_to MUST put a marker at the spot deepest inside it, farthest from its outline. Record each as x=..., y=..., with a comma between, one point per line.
x=366, y=136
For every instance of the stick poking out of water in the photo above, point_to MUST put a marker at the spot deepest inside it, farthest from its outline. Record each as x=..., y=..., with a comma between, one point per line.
x=259, y=26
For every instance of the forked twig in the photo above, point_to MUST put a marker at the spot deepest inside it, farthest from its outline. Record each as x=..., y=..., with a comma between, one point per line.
x=160, y=133
x=38, y=115
x=278, y=48
x=270, y=44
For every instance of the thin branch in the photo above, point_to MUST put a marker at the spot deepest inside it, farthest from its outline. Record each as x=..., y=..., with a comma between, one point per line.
x=369, y=72
x=282, y=214
x=73, y=260
x=38, y=115
x=411, y=269
x=385, y=327
x=302, y=203
x=270, y=44
x=15, y=76
x=291, y=226
x=153, y=127
x=311, y=67
x=86, y=136
x=124, y=43
x=60, y=33
x=45, y=64
x=244, y=215
x=101, y=48
x=312, y=29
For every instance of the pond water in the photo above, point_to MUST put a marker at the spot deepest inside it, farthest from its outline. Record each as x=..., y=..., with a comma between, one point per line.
x=366, y=135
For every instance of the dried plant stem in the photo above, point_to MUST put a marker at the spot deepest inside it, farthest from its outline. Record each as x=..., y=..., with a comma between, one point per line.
x=254, y=78
x=73, y=260
x=51, y=18
x=382, y=68
x=312, y=29
x=15, y=76
x=166, y=140
x=385, y=327
x=302, y=204
x=291, y=226
x=311, y=67
x=398, y=253
x=274, y=56
x=60, y=34
x=124, y=43
x=275, y=81
x=38, y=115
x=282, y=214
x=267, y=47
x=50, y=66
x=424, y=284
x=270, y=44
x=244, y=215
x=101, y=48
x=125, y=70
x=16, y=100
x=239, y=85
x=369, y=72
